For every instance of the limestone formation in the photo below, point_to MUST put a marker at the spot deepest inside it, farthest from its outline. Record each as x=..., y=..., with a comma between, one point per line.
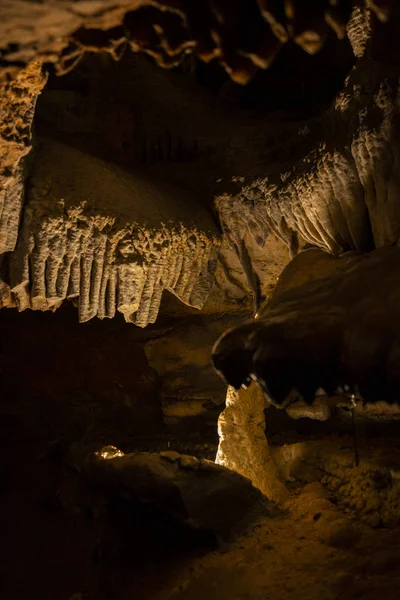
x=243, y=446
x=334, y=186
x=243, y=36
x=17, y=109
x=341, y=194
x=110, y=239
x=124, y=180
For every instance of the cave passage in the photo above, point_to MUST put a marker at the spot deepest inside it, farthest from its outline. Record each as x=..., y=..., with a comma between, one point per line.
x=199, y=284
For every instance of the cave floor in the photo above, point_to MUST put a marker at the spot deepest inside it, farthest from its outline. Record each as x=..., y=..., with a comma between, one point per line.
x=314, y=549
x=285, y=559
x=338, y=537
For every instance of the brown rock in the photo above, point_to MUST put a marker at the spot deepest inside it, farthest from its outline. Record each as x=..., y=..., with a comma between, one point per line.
x=189, y=462
x=171, y=456
x=339, y=533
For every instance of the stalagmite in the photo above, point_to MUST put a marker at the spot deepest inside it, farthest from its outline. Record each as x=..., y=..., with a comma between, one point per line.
x=243, y=446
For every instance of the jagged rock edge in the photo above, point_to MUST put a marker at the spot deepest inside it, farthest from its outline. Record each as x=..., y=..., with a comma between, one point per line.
x=89, y=265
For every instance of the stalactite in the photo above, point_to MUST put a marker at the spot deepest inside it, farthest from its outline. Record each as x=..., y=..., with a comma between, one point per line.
x=110, y=239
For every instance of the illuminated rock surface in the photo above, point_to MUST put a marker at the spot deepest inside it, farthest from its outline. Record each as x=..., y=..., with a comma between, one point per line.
x=161, y=162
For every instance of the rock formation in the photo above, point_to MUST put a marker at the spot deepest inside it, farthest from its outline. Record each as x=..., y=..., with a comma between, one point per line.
x=334, y=186
x=217, y=173
x=244, y=36
x=243, y=446
x=110, y=239
x=103, y=213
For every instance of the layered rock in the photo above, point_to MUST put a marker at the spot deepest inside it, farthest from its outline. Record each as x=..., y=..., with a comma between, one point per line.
x=189, y=386
x=109, y=239
x=335, y=186
x=343, y=194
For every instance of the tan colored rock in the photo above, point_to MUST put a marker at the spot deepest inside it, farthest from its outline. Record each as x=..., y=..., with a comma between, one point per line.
x=268, y=258
x=336, y=197
x=319, y=410
x=110, y=239
x=17, y=108
x=168, y=30
x=6, y=297
x=243, y=446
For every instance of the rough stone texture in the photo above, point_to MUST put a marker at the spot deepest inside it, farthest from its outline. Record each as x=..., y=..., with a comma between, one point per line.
x=326, y=198
x=233, y=278
x=231, y=292
x=189, y=386
x=372, y=490
x=320, y=410
x=243, y=446
x=156, y=128
x=369, y=492
x=17, y=108
x=109, y=238
x=337, y=186
x=329, y=332
x=195, y=492
x=62, y=31
x=335, y=196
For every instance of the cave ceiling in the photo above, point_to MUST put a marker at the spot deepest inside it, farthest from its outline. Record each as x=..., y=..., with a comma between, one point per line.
x=193, y=147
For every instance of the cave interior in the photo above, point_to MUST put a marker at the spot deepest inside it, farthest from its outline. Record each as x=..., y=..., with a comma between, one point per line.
x=199, y=283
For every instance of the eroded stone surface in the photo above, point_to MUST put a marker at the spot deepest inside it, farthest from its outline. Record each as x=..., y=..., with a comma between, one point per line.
x=167, y=31
x=17, y=109
x=338, y=195
x=334, y=186
x=332, y=332
x=110, y=239
x=243, y=446
x=332, y=197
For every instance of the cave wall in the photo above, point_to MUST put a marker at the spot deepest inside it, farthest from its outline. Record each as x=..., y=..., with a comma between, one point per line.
x=107, y=382
x=105, y=237
x=65, y=381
